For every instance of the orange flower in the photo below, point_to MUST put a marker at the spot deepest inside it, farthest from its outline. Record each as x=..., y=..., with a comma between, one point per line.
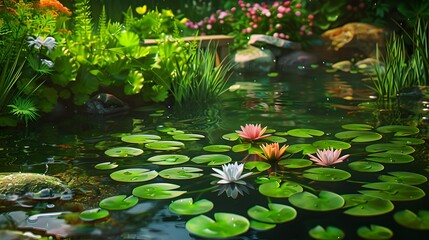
x=252, y=132
x=272, y=152
x=54, y=4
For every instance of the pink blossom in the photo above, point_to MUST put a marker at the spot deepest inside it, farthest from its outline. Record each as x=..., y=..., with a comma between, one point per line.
x=298, y=13
x=233, y=9
x=279, y=15
x=252, y=132
x=328, y=157
x=282, y=35
x=276, y=35
x=298, y=5
x=278, y=26
x=311, y=16
x=281, y=9
x=209, y=26
x=287, y=3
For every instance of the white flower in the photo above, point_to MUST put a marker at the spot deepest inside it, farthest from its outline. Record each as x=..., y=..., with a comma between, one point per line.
x=231, y=173
x=39, y=42
x=47, y=62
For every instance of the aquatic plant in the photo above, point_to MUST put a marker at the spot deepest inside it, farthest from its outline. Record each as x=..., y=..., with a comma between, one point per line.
x=24, y=109
x=328, y=157
x=272, y=152
x=231, y=173
x=252, y=132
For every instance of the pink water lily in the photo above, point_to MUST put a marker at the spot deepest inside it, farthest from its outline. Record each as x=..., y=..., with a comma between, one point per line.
x=252, y=132
x=328, y=157
x=272, y=152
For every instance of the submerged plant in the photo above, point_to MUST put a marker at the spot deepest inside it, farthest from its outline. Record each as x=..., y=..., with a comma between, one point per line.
x=272, y=152
x=328, y=157
x=231, y=173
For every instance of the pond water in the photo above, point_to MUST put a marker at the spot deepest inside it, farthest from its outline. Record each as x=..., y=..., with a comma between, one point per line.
x=300, y=99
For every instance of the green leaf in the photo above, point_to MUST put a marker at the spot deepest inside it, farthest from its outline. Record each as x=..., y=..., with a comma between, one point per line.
x=385, y=157
x=389, y=148
x=407, y=141
x=359, y=136
x=181, y=173
x=212, y=159
x=187, y=137
x=409, y=178
x=106, y=166
x=119, y=202
x=305, y=133
x=128, y=39
x=165, y=145
x=366, y=166
x=326, y=144
x=260, y=166
x=375, y=232
x=225, y=225
x=261, y=226
x=93, y=214
x=399, y=130
x=326, y=174
x=364, y=205
x=275, y=190
x=168, y=159
x=393, y=191
x=357, y=127
x=326, y=201
x=411, y=220
x=140, y=138
x=123, y=152
x=329, y=233
x=295, y=163
x=241, y=147
x=304, y=147
x=277, y=213
x=157, y=191
x=217, y=148
x=276, y=139
x=165, y=129
x=231, y=136
x=187, y=206
x=133, y=175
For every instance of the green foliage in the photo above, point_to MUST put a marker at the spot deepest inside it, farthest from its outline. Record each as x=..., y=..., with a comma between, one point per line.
x=24, y=109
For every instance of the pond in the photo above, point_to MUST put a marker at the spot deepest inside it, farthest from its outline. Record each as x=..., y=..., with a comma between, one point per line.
x=126, y=171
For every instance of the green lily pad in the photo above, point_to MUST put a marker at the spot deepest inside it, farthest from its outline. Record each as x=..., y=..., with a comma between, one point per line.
x=409, y=178
x=187, y=206
x=157, y=191
x=119, y=202
x=305, y=133
x=329, y=233
x=365, y=205
x=261, y=226
x=212, y=159
x=399, y=130
x=165, y=129
x=188, y=137
x=93, y=214
x=326, y=174
x=141, y=138
x=389, y=148
x=276, y=139
x=106, y=166
x=304, y=147
x=231, y=136
x=409, y=219
x=260, y=166
x=106, y=144
x=225, y=225
x=165, y=145
x=172, y=133
x=357, y=127
x=241, y=147
x=375, y=232
x=217, y=148
x=134, y=175
x=181, y=173
x=390, y=158
x=123, y=152
x=407, y=141
x=359, y=136
x=366, y=166
x=295, y=163
x=277, y=213
x=275, y=190
x=393, y=191
x=326, y=201
x=168, y=159
x=326, y=144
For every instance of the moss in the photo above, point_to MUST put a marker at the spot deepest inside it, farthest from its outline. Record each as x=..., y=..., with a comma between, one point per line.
x=22, y=183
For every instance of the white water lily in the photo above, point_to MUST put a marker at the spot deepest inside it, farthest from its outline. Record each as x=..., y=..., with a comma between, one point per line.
x=231, y=173
x=47, y=62
x=39, y=42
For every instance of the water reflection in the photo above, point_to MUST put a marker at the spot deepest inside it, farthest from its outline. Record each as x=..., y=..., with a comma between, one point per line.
x=233, y=190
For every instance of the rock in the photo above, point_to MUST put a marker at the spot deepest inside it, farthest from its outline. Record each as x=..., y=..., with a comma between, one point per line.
x=254, y=59
x=295, y=59
x=344, y=65
x=260, y=39
x=105, y=103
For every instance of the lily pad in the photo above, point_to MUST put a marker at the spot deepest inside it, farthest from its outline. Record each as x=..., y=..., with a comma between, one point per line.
x=375, y=232
x=326, y=174
x=181, y=173
x=399, y=130
x=134, y=175
x=231, y=136
x=326, y=201
x=409, y=178
x=225, y=225
x=276, y=139
x=364, y=205
x=165, y=129
x=123, y=152
x=304, y=133
x=366, y=166
x=141, y=138
x=212, y=159
x=295, y=163
x=241, y=147
x=93, y=214
x=409, y=219
x=260, y=166
x=188, y=137
x=172, y=133
x=326, y=144
x=106, y=166
x=275, y=190
x=329, y=233
x=165, y=145
x=157, y=191
x=389, y=148
x=393, y=191
x=390, y=158
x=277, y=213
x=168, y=159
x=119, y=202
x=217, y=148
x=359, y=136
x=187, y=206
x=261, y=226
x=357, y=127
x=407, y=141
x=304, y=147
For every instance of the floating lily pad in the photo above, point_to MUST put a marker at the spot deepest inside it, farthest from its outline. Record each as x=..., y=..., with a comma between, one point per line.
x=409, y=219
x=157, y=191
x=326, y=144
x=364, y=205
x=375, y=232
x=276, y=139
x=188, y=137
x=357, y=127
x=119, y=202
x=305, y=133
x=329, y=233
x=123, y=152
x=277, y=213
x=165, y=145
x=408, y=141
x=225, y=225
x=389, y=148
x=172, y=133
x=187, y=206
x=399, y=130
x=241, y=147
x=141, y=138
x=274, y=189
x=366, y=166
x=326, y=201
x=181, y=173
x=261, y=226
x=390, y=158
x=168, y=159
x=304, y=147
x=231, y=136
x=93, y=214
x=409, y=178
x=217, y=148
x=212, y=159
x=326, y=174
x=106, y=166
x=295, y=163
x=165, y=129
x=359, y=136
x=260, y=166
x=393, y=191
x=134, y=175
x=106, y=144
